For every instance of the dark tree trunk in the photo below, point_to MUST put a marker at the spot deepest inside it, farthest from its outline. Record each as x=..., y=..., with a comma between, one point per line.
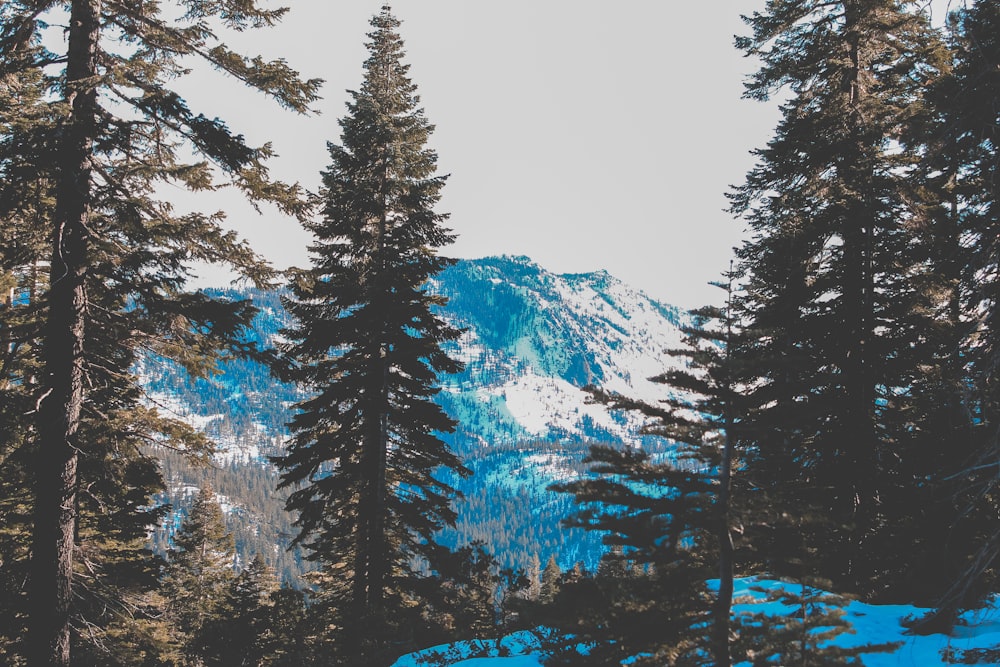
x=860, y=433
x=60, y=408
x=724, y=601
x=372, y=554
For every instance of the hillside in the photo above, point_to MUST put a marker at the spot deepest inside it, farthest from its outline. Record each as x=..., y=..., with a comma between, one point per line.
x=532, y=340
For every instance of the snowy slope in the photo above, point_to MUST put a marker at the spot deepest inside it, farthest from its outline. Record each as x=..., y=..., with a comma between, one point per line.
x=872, y=624
x=534, y=339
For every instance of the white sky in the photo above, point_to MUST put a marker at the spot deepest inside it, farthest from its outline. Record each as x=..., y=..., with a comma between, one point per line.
x=586, y=134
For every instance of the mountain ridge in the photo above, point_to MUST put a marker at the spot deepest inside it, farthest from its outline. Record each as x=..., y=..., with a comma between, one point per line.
x=533, y=339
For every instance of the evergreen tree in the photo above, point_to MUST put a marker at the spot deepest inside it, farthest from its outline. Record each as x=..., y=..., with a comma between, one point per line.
x=90, y=135
x=850, y=397
x=470, y=595
x=704, y=415
x=534, y=577
x=240, y=631
x=367, y=346
x=551, y=576
x=199, y=576
x=962, y=204
x=684, y=499
x=290, y=645
x=648, y=603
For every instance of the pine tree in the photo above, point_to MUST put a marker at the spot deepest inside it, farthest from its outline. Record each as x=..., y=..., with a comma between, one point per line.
x=551, y=576
x=470, y=596
x=962, y=202
x=198, y=577
x=702, y=416
x=648, y=603
x=534, y=576
x=698, y=416
x=367, y=346
x=240, y=632
x=85, y=158
x=845, y=412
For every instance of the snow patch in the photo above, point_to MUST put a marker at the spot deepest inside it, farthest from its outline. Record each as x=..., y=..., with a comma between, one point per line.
x=872, y=624
x=543, y=404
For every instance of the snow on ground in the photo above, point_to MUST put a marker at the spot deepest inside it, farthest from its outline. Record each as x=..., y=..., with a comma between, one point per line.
x=871, y=624
x=172, y=406
x=882, y=623
x=517, y=650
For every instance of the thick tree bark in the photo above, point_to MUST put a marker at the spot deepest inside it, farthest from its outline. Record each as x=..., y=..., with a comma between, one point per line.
x=60, y=408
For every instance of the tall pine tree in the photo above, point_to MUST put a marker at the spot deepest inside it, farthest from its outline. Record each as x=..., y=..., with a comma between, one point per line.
x=963, y=204
x=846, y=407
x=367, y=346
x=104, y=129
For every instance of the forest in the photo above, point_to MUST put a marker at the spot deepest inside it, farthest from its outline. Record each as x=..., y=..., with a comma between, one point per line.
x=831, y=422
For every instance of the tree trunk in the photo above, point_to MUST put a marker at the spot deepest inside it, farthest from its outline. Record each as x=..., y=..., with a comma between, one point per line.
x=724, y=601
x=860, y=435
x=59, y=410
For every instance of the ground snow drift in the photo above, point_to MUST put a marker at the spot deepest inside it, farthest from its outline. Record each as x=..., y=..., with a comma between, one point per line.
x=871, y=624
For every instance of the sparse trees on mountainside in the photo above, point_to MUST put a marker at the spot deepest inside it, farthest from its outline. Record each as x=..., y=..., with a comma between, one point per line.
x=87, y=136
x=364, y=458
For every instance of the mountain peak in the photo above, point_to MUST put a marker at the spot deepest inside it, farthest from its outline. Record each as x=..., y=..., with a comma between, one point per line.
x=536, y=338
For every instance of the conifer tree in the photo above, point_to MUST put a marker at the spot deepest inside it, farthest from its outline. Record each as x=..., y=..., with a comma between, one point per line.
x=845, y=412
x=534, y=576
x=24, y=209
x=240, y=631
x=686, y=499
x=703, y=416
x=551, y=576
x=470, y=595
x=199, y=576
x=367, y=346
x=648, y=603
x=105, y=128
x=963, y=204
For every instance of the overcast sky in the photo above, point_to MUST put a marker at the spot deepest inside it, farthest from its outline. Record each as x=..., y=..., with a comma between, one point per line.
x=586, y=134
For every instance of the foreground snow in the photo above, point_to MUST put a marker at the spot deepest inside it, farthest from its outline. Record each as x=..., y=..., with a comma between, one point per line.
x=871, y=624
x=520, y=649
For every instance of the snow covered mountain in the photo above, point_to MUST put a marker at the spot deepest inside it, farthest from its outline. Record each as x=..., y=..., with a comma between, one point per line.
x=532, y=340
